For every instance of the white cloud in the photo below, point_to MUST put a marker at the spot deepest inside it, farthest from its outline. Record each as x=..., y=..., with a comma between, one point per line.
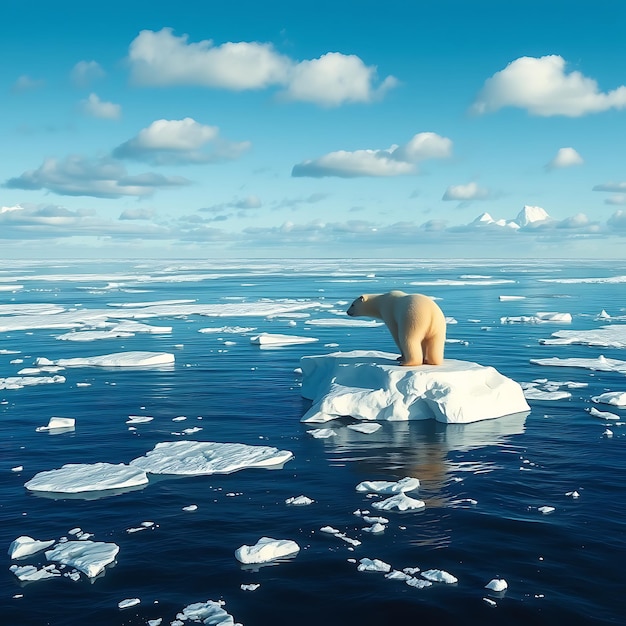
x=393, y=161
x=249, y=202
x=85, y=72
x=26, y=83
x=565, y=157
x=137, y=214
x=542, y=87
x=335, y=78
x=179, y=141
x=98, y=108
x=617, y=221
x=101, y=178
x=616, y=199
x=618, y=189
x=161, y=58
x=466, y=193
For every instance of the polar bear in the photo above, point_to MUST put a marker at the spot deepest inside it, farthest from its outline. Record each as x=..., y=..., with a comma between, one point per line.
x=416, y=323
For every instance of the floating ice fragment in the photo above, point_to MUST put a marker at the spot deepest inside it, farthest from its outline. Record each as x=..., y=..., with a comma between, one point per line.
x=400, y=502
x=322, y=433
x=613, y=336
x=340, y=322
x=126, y=604
x=388, y=487
x=17, y=468
x=267, y=550
x=55, y=423
x=180, y=418
x=155, y=622
x=411, y=571
x=490, y=602
x=370, y=385
x=209, y=613
x=601, y=363
x=546, y=509
x=375, y=520
x=25, y=546
x=375, y=529
x=366, y=428
x=268, y=339
x=418, y=583
x=607, y=433
x=31, y=573
x=191, y=507
x=373, y=565
x=616, y=398
x=195, y=458
x=299, y=501
x=497, y=584
x=136, y=359
x=396, y=575
x=19, y=382
x=82, y=477
x=250, y=587
x=139, y=419
x=603, y=415
x=330, y=530
x=439, y=576
x=509, y=298
x=89, y=557
x=573, y=494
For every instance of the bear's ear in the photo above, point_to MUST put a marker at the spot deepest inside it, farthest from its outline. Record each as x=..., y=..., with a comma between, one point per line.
x=363, y=299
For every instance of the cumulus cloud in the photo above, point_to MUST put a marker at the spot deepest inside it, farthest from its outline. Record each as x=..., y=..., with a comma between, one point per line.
x=466, y=193
x=618, y=189
x=617, y=221
x=178, y=142
x=101, y=178
x=99, y=108
x=543, y=87
x=137, y=214
x=161, y=58
x=393, y=161
x=335, y=78
x=565, y=157
x=26, y=83
x=85, y=72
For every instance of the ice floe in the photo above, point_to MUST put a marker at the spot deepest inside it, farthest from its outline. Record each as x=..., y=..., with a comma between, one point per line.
x=24, y=546
x=605, y=336
x=139, y=419
x=399, y=502
x=510, y=298
x=58, y=423
x=600, y=364
x=267, y=550
x=322, y=433
x=30, y=573
x=210, y=613
x=366, y=428
x=19, y=382
x=373, y=565
x=615, y=398
x=128, y=603
x=135, y=359
x=269, y=339
x=497, y=584
x=603, y=415
x=299, y=501
x=538, y=318
x=332, y=322
x=546, y=509
x=235, y=330
x=370, y=385
x=388, y=487
x=439, y=576
x=83, y=477
x=89, y=557
x=194, y=458
x=249, y=586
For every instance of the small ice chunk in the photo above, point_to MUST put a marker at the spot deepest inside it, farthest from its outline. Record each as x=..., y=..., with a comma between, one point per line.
x=607, y=433
x=397, y=575
x=299, y=501
x=25, y=546
x=373, y=565
x=191, y=507
x=497, y=584
x=180, y=418
x=267, y=550
x=17, y=468
x=250, y=587
x=615, y=398
x=546, y=509
x=411, y=571
x=139, y=419
x=489, y=601
x=155, y=622
x=400, y=502
x=117, y=359
x=573, y=494
x=210, y=613
x=82, y=477
x=375, y=529
x=330, y=530
x=418, y=583
x=375, y=520
x=322, y=433
x=30, y=572
x=439, y=576
x=269, y=339
x=388, y=487
x=58, y=422
x=603, y=415
x=89, y=557
x=367, y=428
x=126, y=604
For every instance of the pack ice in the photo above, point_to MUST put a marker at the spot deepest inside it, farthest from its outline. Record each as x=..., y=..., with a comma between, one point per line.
x=117, y=359
x=370, y=385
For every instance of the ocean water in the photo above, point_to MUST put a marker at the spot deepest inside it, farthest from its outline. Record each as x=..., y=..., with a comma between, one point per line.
x=483, y=483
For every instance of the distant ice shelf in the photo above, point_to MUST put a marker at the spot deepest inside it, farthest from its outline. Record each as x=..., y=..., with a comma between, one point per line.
x=370, y=385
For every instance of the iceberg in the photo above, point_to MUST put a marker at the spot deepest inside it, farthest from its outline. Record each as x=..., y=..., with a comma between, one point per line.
x=266, y=550
x=83, y=477
x=388, y=487
x=615, y=398
x=88, y=557
x=497, y=584
x=117, y=359
x=400, y=502
x=24, y=546
x=370, y=385
x=196, y=458
x=58, y=423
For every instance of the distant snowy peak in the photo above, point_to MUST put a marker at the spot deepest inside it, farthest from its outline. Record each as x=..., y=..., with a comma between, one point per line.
x=531, y=215
x=486, y=218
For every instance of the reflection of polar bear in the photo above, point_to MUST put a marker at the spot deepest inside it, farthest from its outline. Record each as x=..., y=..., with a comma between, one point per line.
x=416, y=323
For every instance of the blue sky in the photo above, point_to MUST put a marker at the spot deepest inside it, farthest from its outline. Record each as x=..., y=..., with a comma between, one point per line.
x=364, y=129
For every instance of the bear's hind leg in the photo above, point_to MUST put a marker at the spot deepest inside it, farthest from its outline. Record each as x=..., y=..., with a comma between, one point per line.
x=413, y=354
x=433, y=350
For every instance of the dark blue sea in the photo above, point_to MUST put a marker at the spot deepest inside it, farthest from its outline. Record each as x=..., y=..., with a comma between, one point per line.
x=565, y=567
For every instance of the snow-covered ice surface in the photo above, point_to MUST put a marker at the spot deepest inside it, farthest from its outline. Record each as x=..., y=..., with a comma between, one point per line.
x=476, y=515
x=266, y=550
x=369, y=385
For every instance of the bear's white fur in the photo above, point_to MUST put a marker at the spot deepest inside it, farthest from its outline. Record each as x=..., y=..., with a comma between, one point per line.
x=415, y=321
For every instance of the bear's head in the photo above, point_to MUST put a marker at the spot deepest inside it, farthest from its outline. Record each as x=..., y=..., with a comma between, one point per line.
x=357, y=307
